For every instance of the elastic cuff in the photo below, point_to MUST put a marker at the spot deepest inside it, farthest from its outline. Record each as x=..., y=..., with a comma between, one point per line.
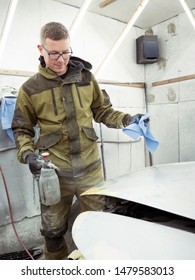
x=25, y=154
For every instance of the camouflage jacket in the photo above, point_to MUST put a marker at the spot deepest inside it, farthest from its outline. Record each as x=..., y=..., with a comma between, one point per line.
x=63, y=110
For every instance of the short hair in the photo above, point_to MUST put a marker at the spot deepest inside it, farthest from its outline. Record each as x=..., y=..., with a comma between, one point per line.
x=54, y=31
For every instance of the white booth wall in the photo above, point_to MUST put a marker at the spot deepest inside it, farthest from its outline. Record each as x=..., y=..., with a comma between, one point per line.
x=172, y=105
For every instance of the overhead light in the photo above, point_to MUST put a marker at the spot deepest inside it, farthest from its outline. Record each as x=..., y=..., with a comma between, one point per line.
x=106, y=3
x=7, y=24
x=79, y=17
x=188, y=12
x=122, y=36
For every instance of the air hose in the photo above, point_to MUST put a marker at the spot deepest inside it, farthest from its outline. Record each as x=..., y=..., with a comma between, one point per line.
x=11, y=216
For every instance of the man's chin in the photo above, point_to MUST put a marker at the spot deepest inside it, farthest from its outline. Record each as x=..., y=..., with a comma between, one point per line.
x=59, y=70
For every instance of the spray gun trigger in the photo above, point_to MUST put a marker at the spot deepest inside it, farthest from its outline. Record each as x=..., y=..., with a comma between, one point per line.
x=46, y=163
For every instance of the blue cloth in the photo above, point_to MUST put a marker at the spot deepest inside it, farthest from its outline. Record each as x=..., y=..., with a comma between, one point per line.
x=6, y=115
x=140, y=128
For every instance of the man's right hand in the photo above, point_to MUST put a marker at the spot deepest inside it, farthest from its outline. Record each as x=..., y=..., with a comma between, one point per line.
x=128, y=119
x=33, y=164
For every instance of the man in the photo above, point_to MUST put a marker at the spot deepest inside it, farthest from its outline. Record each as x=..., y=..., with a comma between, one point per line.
x=62, y=100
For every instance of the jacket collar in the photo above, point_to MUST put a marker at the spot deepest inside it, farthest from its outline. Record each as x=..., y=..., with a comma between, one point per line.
x=75, y=66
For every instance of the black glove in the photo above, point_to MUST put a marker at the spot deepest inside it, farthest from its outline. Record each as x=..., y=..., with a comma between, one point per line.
x=128, y=119
x=34, y=166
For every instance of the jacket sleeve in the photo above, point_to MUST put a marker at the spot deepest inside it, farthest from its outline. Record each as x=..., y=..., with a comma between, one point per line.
x=23, y=124
x=103, y=110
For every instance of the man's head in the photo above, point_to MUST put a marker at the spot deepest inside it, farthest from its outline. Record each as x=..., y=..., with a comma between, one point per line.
x=55, y=46
x=54, y=31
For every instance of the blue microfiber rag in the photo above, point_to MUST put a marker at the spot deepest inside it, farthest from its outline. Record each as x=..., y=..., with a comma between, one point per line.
x=7, y=112
x=140, y=128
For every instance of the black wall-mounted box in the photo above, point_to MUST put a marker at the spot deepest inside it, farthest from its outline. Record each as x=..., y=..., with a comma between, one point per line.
x=147, y=49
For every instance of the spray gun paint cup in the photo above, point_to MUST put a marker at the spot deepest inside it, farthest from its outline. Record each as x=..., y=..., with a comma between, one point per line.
x=49, y=187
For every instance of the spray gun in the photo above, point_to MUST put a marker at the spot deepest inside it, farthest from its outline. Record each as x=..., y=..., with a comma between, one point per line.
x=45, y=162
x=48, y=181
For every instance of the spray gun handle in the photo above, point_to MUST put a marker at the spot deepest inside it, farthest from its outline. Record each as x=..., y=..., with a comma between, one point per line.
x=41, y=161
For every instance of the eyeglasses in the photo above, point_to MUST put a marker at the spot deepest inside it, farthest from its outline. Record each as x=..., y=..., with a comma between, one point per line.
x=56, y=55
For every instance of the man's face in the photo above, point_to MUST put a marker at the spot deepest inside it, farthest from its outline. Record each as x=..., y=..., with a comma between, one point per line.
x=51, y=51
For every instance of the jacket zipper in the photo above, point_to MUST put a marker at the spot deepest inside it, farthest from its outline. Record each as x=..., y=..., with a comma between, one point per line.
x=79, y=96
x=54, y=102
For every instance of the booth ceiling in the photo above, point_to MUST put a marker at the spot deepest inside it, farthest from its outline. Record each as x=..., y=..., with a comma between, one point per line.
x=154, y=13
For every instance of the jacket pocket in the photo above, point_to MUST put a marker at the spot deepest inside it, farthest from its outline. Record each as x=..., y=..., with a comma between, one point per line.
x=48, y=140
x=90, y=133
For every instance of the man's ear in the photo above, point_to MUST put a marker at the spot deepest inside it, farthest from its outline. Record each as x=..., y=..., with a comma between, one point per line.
x=40, y=48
